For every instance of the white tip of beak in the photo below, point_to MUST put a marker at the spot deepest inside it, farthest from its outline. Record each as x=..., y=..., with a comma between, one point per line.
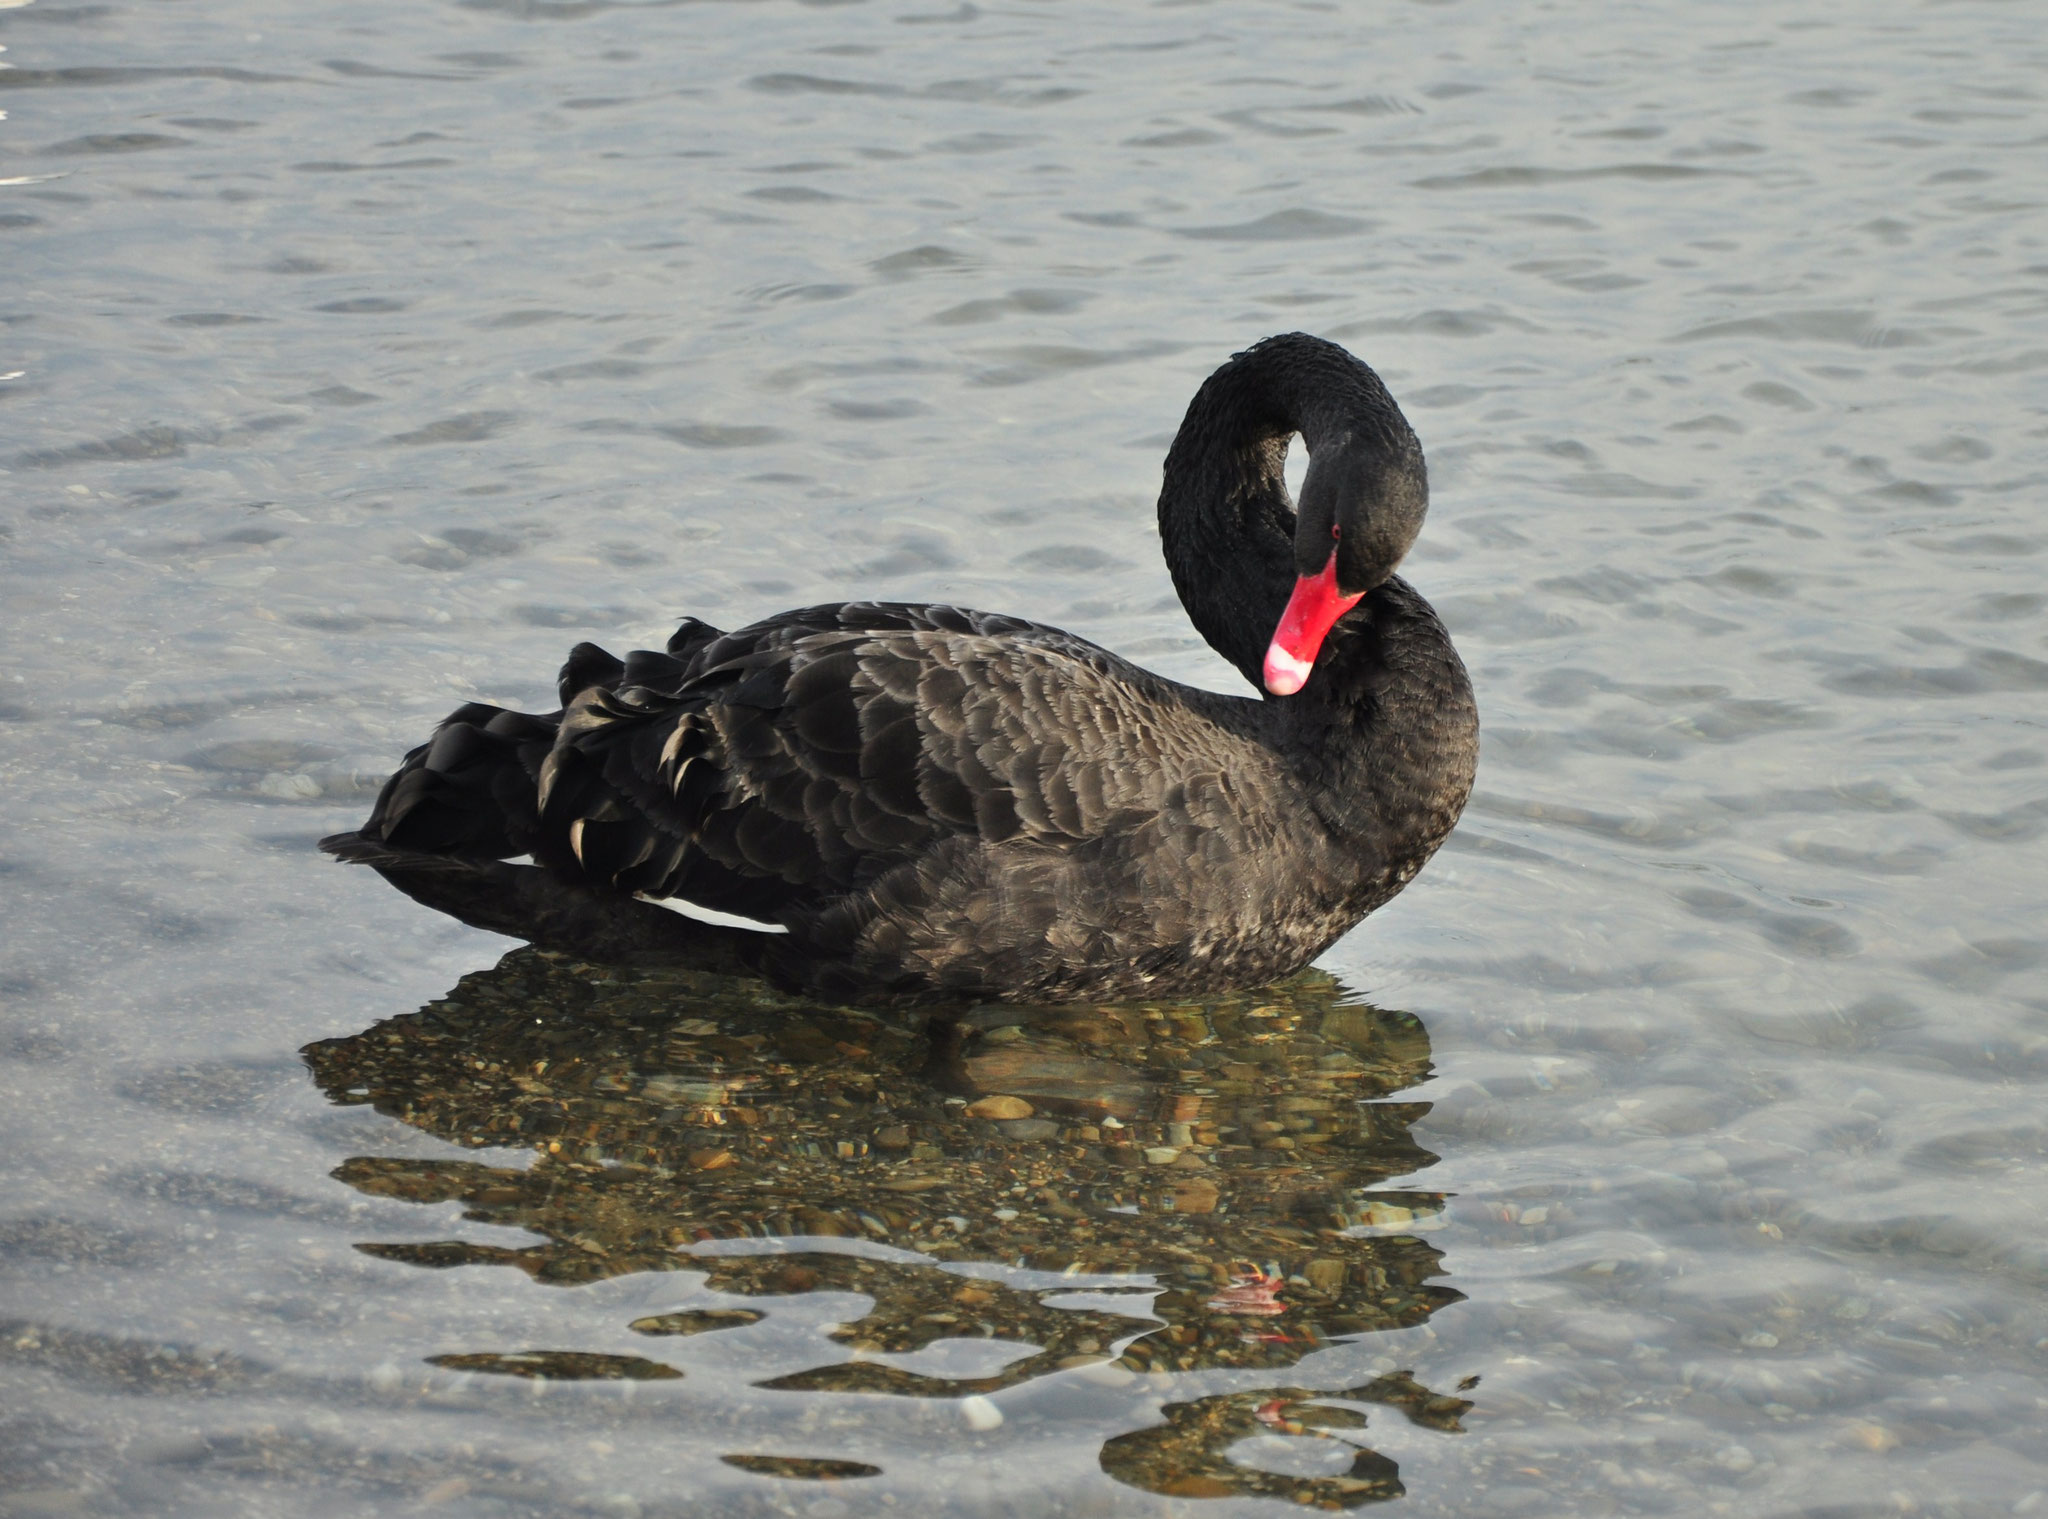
x=1285, y=674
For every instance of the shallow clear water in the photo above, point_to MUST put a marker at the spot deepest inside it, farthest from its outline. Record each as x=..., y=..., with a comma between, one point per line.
x=358, y=360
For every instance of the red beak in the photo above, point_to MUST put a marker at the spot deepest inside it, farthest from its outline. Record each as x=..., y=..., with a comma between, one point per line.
x=1311, y=612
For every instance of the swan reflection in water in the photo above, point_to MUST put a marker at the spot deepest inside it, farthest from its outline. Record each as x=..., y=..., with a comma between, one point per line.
x=1205, y=1174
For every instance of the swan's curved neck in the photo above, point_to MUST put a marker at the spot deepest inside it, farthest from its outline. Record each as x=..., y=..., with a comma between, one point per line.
x=1226, y=520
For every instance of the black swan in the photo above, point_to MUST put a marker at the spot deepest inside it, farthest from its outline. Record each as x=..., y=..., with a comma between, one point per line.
x=924, y=801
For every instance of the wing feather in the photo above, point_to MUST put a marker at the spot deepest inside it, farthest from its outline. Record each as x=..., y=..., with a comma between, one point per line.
x=824, y=751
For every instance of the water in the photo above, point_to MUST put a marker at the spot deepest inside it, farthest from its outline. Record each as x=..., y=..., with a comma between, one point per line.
x=359, y=361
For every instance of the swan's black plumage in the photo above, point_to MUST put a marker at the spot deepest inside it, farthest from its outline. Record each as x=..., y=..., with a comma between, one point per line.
x=936, y=801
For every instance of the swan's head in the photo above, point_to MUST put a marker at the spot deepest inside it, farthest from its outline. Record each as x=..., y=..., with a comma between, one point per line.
x=1361, y=507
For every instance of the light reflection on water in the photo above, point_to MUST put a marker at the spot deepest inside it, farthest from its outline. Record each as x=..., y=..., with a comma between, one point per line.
x=354, y=364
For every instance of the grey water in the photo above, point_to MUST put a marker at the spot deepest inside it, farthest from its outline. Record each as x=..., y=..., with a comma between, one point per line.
x=357, y=360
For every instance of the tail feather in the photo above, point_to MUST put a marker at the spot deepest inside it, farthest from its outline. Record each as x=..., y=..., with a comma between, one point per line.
x=465, y=804
x=469, y=791
x=587, y=666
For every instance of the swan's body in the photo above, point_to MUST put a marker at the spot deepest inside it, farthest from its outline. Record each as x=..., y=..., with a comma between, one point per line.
x=932, y=801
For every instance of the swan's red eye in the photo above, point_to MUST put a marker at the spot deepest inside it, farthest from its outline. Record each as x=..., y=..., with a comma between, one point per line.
x=1336, y=531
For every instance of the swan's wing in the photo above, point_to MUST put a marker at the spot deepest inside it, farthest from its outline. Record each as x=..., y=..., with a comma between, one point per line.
x=804, y=757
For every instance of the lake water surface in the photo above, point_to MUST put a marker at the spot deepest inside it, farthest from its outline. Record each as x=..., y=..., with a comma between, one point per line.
x=356, y=360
